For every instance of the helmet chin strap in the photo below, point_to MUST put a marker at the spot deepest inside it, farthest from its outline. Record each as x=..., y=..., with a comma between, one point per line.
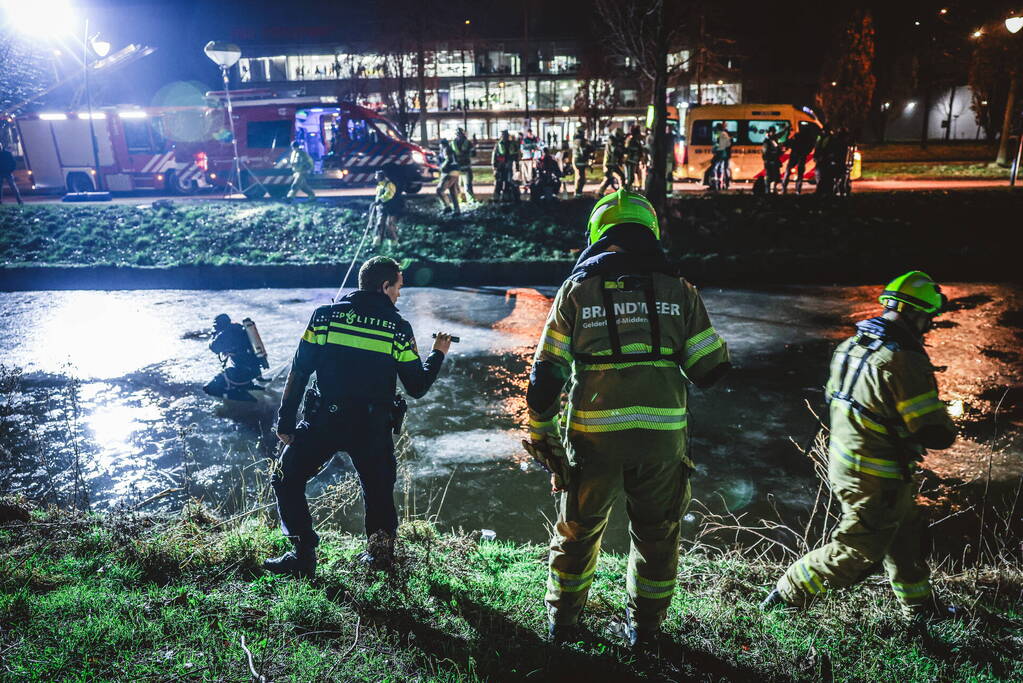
x=917, y=321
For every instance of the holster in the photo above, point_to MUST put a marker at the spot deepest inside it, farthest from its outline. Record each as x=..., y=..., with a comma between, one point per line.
x=398, y=411
x=312, y=405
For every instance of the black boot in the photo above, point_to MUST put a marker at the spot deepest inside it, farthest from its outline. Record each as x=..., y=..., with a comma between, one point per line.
x=773, y=599
x=558, y=634
x=379, y=552
x=300, y=563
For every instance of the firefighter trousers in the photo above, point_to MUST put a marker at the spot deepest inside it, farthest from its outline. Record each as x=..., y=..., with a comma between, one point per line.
x=364, y=432
x=580, y=180
x=631, y=174
x=300, y=184
x=645, y=465
x=880, y=524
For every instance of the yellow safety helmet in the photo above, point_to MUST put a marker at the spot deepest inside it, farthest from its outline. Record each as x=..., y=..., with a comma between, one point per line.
x=914, y=289
x=623, y=206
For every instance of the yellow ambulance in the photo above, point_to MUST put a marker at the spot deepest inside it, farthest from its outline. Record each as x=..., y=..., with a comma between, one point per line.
x=748, y=125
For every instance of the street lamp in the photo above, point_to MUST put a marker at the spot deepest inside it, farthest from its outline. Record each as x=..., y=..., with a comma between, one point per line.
x=465, y=96
x=1013, y=25
x=226, y=55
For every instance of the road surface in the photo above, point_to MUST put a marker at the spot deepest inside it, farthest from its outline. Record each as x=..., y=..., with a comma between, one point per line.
x=487, y=190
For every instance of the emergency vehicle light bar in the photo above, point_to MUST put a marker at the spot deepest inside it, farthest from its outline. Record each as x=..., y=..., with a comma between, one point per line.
x=53, y=117
x=132, y=114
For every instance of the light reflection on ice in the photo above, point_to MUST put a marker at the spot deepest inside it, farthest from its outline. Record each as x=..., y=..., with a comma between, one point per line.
x=102, y=334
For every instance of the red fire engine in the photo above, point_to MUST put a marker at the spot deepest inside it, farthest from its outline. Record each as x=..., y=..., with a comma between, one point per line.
x=348, y=144
x=185, y=149
x=133, y=151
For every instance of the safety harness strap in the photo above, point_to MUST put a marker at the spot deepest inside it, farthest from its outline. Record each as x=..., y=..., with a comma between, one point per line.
x=617, y=356
x=844, y=394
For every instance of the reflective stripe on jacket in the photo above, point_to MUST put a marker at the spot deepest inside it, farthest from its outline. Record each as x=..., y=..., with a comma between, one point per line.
x=621, y=394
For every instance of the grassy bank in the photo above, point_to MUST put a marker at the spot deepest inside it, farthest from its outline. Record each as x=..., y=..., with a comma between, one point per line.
x=959, y=235
x=956, y=170
x=126, y=597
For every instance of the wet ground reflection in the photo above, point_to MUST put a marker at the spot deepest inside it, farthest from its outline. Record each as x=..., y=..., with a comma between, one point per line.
x=137, y=414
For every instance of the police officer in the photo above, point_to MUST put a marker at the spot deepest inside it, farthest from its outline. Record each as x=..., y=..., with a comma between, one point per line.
x=635, y=156
x=301, y=165
x=502, y=159
x=884, y=411
x=614, y=153
x=630, y=334
x=581, y=151
x=357, y=347
x=463, y=149
x=238, y=359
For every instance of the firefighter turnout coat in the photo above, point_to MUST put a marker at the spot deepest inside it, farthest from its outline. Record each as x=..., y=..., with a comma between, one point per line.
x=884, y=410
x=628, y=342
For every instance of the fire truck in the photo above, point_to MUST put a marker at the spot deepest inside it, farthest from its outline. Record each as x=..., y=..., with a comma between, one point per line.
x=183, y=150
x=347, y=143
x=132, y=151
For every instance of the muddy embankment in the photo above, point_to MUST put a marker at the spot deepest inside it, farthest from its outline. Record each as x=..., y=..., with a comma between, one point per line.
x=723, y=240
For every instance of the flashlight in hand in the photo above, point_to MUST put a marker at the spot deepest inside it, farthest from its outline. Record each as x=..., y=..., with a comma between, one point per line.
x=454, y=339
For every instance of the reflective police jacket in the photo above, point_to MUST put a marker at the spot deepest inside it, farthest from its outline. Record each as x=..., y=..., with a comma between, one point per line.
x=358, y=348
x=884, y=406
x=628, y=341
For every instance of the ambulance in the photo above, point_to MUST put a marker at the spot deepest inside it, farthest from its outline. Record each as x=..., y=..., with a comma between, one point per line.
x=347, y=143
x=132, y=151
x=748, y=125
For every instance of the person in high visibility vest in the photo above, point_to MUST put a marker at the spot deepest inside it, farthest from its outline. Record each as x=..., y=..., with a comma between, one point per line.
x=387, y=206
x=614, y=154
x=884, y=410
x=630, y=334
x=463, y=149
x=301, y=165
x=635, y=156
x=447, y=186
x=581, y=152
x=503, y=159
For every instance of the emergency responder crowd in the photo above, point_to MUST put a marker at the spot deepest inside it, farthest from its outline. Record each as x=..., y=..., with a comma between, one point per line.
x=626, y=335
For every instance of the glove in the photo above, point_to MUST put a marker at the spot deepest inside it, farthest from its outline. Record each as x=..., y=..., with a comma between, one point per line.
x=550, y=453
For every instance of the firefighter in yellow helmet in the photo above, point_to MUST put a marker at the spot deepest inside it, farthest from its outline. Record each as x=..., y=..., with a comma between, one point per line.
x=628, y=334
x=884, y=411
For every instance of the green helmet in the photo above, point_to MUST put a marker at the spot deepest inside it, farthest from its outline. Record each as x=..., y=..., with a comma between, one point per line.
x=914, y=289
x=623, y=206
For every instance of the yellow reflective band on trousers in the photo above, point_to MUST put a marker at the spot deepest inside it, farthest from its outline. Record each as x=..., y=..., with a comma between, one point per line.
x=701, y=345
x=912, y=591
x=558, y=344
x=631, y=417
x=877, y=467
x=570, y=583
x=810, y=579
x=918, y=406
x=650, y=589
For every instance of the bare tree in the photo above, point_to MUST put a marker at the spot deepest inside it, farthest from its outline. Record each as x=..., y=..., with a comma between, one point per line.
x=847, y=78
x=996, y=69
x=643, y=33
